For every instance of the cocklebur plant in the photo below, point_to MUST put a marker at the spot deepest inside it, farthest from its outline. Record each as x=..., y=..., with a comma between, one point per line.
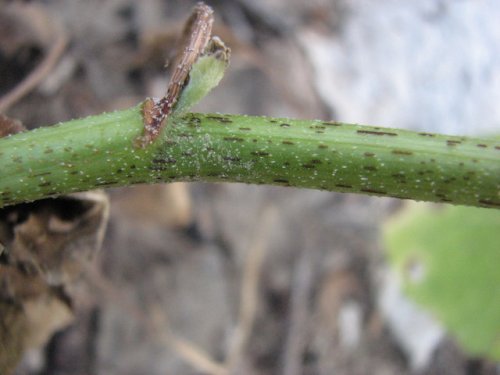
x=99, y=151
x=160, y=141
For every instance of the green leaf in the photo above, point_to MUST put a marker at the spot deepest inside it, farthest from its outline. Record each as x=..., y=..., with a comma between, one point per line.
x=205, y=74
x=449, y=260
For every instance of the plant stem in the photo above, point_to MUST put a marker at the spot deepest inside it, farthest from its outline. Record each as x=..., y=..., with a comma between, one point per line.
x=98, y=152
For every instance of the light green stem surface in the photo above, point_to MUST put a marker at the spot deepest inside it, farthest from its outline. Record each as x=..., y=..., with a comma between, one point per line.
x=98, y=151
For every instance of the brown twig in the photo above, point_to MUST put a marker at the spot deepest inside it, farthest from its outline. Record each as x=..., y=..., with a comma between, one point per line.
x=249, y=289
x=188, y=351
x=37, y=75
x=193, y=355
x=299, y=322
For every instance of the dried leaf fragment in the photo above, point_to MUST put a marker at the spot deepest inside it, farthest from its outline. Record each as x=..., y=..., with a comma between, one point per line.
x=45, y=247
x=9, y=126
x=195, y=39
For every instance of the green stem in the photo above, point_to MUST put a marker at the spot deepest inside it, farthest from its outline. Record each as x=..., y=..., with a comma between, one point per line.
x=98, y=152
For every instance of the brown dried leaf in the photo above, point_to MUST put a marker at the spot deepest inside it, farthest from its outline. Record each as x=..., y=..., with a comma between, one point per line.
x=53, y=236
x=46, y=245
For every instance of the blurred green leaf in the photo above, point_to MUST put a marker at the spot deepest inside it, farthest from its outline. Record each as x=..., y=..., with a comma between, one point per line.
x=449, y=260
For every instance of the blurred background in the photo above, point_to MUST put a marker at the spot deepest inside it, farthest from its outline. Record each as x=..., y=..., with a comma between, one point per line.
x=237, y=279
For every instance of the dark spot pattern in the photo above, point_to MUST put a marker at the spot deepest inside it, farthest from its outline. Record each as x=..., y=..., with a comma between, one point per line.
x=106, y=183
x=260, y=153
x=373, y=191
x=489, y=203
x=281, y=181
x=220, y=119
x=164, y=161
x=194, y=122
x=402, y=152
x=378, y=133
x=233, y=159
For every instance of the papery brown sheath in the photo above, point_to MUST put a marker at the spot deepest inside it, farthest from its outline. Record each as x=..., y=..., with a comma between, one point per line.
x=195, y=38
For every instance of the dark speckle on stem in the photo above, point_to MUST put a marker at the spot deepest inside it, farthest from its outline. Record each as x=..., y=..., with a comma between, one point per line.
x=164, y=161
x=309, y=166
x=220, y=119
x=379, y=133
x=373, y=191
x=489, y=203
x=106, y=183
x=281, y=181
x=232, y=159
x=260, y=153
x=402, y=152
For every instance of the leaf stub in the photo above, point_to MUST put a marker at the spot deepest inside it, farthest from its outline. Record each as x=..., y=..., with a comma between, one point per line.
x=196, y=37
